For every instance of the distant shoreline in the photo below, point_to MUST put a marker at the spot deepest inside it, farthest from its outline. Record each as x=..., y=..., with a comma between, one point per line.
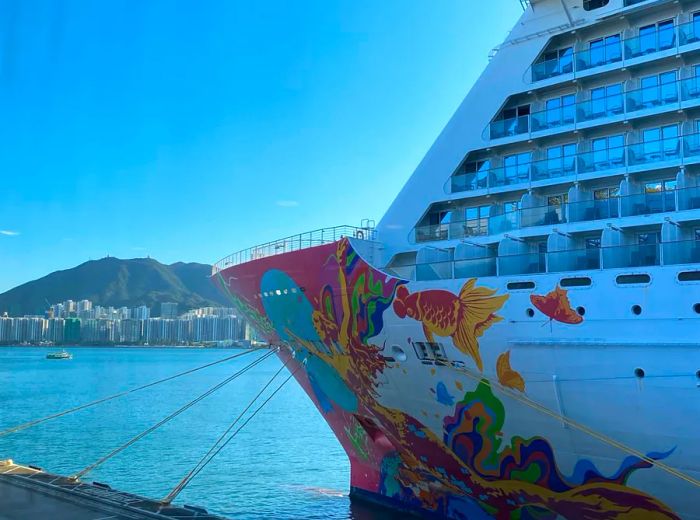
x=191, y=347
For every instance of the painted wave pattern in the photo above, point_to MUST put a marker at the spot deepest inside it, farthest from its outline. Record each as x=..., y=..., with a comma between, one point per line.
x=468, y=471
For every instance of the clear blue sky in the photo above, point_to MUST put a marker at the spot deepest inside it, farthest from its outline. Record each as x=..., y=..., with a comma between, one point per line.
x=187, y=130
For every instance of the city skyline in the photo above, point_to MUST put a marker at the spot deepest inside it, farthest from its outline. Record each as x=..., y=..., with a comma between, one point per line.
x=193, y=133
x=81, y=322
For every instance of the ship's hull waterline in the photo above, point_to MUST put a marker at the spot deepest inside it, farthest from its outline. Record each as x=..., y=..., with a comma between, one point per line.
x=463, y=399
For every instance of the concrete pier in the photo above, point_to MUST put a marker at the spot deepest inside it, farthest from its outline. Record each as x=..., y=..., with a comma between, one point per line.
x=28, y=493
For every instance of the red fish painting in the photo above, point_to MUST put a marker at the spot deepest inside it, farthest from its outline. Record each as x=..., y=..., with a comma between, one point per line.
x=463, y=317
x=556, y=306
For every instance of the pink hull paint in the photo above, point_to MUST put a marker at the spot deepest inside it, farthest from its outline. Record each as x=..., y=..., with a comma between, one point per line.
x=327, y=307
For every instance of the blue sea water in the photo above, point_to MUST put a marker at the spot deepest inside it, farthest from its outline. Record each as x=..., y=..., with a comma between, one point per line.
x=285, y=464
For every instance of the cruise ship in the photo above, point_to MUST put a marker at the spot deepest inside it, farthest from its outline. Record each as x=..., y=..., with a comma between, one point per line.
x=519, y=335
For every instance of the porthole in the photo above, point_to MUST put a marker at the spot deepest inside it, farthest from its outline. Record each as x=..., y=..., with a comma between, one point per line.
x=520, y=286
x=696, y=308
x=398, y=353
x=639, y=372
x=636, y=309
x=689, y=276
x=530, y=312
x=581, y=310
x=697, y=374
x=628, y=279
x=578, y=281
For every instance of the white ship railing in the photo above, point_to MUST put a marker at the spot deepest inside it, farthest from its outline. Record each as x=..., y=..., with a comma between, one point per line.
x=636, y=255
x=294, y=243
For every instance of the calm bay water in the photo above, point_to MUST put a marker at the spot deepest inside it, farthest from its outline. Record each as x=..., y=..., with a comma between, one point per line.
x=285, y=464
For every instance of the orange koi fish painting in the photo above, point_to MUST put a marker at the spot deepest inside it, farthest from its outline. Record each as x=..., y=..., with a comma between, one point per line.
x=463, y=317
x=506, y=375
x=556, y=306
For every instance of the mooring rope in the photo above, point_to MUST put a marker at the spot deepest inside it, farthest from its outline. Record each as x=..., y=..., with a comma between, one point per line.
x=581, y=427
x=214, y=451
x=29, y=424
x=177, y=412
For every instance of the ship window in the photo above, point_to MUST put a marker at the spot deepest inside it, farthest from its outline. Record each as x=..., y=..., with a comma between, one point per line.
x=605, y=100
x=590, y=5
x=475, y=176
x=578, y=281
x=604, y=50
x=608, y=152
x=561, y=160
x=659, y=88
x=517, y=167
x=633, y=279
x=689, y=276
x=520, y=286
x=656, y=37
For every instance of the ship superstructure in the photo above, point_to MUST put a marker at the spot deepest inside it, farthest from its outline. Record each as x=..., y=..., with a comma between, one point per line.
x=519, y=336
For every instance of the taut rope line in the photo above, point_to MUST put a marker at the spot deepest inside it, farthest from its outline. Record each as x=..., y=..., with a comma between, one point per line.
x=202, y=463
x=171, y=416
x=29, y=424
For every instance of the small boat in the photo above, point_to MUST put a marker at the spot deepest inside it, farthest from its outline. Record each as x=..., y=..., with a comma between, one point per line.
x=61, y=354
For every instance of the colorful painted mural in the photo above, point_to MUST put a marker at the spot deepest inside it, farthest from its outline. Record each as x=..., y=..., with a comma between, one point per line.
x=331, y=313
x=556, y=306
x=506, y=375
x=463, y=317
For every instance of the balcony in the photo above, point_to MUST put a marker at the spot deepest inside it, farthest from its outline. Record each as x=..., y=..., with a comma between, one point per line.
x=628, y=103
x=660, y=40
x=584, y=259
x=646, y=203
x=673, y=151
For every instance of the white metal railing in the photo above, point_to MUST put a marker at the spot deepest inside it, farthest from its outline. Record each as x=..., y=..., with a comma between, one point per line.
x=294, y=243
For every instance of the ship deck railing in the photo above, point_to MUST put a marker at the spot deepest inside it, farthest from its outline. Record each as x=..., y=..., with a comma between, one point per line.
x=632, y=255
x=560, y=212
x=623, y=102
x=664, y=38
x=674, y=151
x=292, y=243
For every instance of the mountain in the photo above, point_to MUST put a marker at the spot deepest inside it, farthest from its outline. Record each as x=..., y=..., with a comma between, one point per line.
x=115, y=282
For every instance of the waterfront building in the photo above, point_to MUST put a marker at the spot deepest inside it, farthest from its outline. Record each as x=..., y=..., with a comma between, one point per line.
x=141, y=313
x=168, y=310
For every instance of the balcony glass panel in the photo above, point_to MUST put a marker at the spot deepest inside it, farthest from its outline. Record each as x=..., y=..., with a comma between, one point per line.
x=573, y=260
x=689, y=32
x=474, y=267
x=634, y=255
x=649, y=203
x=652, y=38
x=504, y=223
x=654, y=151
x=681, y=252
x=561, y=161
x=529, y=263
x=690, y=88
x=600, y=52
x=596, y=209
x=604, y=102
x=554, y=64
x=593, y=257
x=559, y=112
x=607, y=153
x=509, y=127
x=651, y=96
x=430, y=233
